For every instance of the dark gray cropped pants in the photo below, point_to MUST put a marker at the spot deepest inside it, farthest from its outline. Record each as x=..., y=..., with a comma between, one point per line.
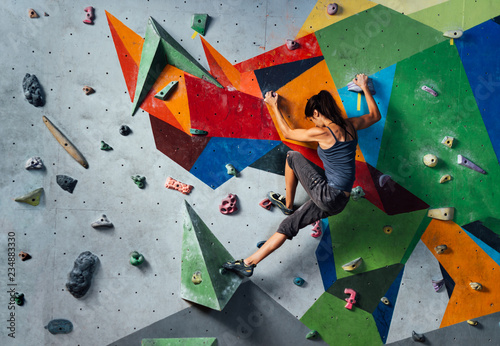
x=325, y=200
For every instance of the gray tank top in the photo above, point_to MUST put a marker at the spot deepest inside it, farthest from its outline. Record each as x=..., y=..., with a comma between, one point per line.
x=340, y=163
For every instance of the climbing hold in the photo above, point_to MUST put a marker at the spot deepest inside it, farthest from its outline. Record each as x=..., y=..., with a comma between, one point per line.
x=228, y=205
x=105, y=146
x=89, y=15
x=353, y=264
x=32, y=13
x=430, y=90
x=444, y=214
x=177, y=185
x=260, y=243
x=33, y=90
x=65, y=143
x=136, y=258
x=351, y=86
x=351, y=299
x=266, y=204
x=88, y=90
x=163, y=93
x=59, y=326
x=198, y=132
x=34, y=163
x=476, y=286
x=103, y=221
x=316, y=229
x=463, y=161
x=19, y=298
x=66, y=183
x=199, y=23
x=32, y=197
x=387, y=229
x=418, y=337
x=448, y=141
x=231, y=170
x=472, y=323
x=125, y=130
x=24, y=256
x=437, y=284
x=385, y=300
x=430, y=160
x=298, y=281
x=356, y=193
x=444, y=178
x=45, y=14
x=383, y=179
x=440, y=249
x=291, y=45
x=332, y=8
x=313, y=334
x=196, y=278
x=80, y=277
x=453, y=33
x=139, y=180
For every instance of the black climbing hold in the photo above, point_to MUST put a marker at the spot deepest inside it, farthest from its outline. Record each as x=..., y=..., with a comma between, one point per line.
x=80, y=277
x=66, y=183
x=33, y=90
x=125, y=130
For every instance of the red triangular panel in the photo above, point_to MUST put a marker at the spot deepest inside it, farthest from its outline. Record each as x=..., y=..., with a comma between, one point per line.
x=365, y=180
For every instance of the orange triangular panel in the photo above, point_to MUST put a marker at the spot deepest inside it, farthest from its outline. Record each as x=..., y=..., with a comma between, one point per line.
x=220, y=67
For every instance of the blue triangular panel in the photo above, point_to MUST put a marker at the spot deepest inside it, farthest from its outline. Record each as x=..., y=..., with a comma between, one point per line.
x=371, y=138
x=211, y=164
x=324, y=255
x=495, y=256
x=274, y=77
x=383, y=313
x=482, y=72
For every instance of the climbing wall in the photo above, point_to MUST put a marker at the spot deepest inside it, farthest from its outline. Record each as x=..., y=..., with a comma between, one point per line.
x=129, y=53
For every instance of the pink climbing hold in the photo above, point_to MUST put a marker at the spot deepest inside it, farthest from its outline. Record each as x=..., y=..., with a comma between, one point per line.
x=332, y=8
x=316, y=229
x=177, y=185
x=352, y=298
x=89, y=16
x=291, y=44
x=430, y=90
x=266, y=204
x=228, y=205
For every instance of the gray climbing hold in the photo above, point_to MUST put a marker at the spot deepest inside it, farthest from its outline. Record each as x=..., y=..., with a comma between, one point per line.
x=384, y=178
x=125, y=130
x=66, y=183
x=463, y=161
x=417, y=337
x=34, y=163
x=103, y=221
x=351, y=86
x=231, y=170
x=33, y=90
x=80, y=277
x=356, y=193
x=59, y=326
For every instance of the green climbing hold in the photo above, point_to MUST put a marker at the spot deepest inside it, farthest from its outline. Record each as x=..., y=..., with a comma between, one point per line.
x=163, y=93
x=105, y=146
x=198, y=132
x=32, y=197
x=312, y=334
x=19, y=298
x=357, y=193
x=199, y=23
x=231, y=170
x=136, y=258
x=180, y=341
x=139, y=181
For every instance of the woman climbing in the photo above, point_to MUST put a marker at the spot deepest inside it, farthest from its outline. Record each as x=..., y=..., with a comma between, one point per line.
x=337, y=140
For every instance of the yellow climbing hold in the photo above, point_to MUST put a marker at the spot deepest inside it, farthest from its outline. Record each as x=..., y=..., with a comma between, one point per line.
x=32, y=198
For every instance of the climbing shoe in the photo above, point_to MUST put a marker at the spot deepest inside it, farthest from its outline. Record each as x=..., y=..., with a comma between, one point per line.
x=239, y=267
x=279, y=201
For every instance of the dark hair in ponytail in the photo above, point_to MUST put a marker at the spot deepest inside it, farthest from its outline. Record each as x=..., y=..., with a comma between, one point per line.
x=326, y=105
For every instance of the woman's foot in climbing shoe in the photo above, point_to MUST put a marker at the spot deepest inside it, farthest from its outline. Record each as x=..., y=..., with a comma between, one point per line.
x=279, y=201
x=239, y=267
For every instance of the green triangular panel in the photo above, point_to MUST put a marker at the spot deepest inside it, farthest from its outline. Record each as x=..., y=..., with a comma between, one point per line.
x=153, y=61
x=179, y=57
x=337, y=325
x=180, y=342
x=202, y=252
x=32, y=197
x=369, y=286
